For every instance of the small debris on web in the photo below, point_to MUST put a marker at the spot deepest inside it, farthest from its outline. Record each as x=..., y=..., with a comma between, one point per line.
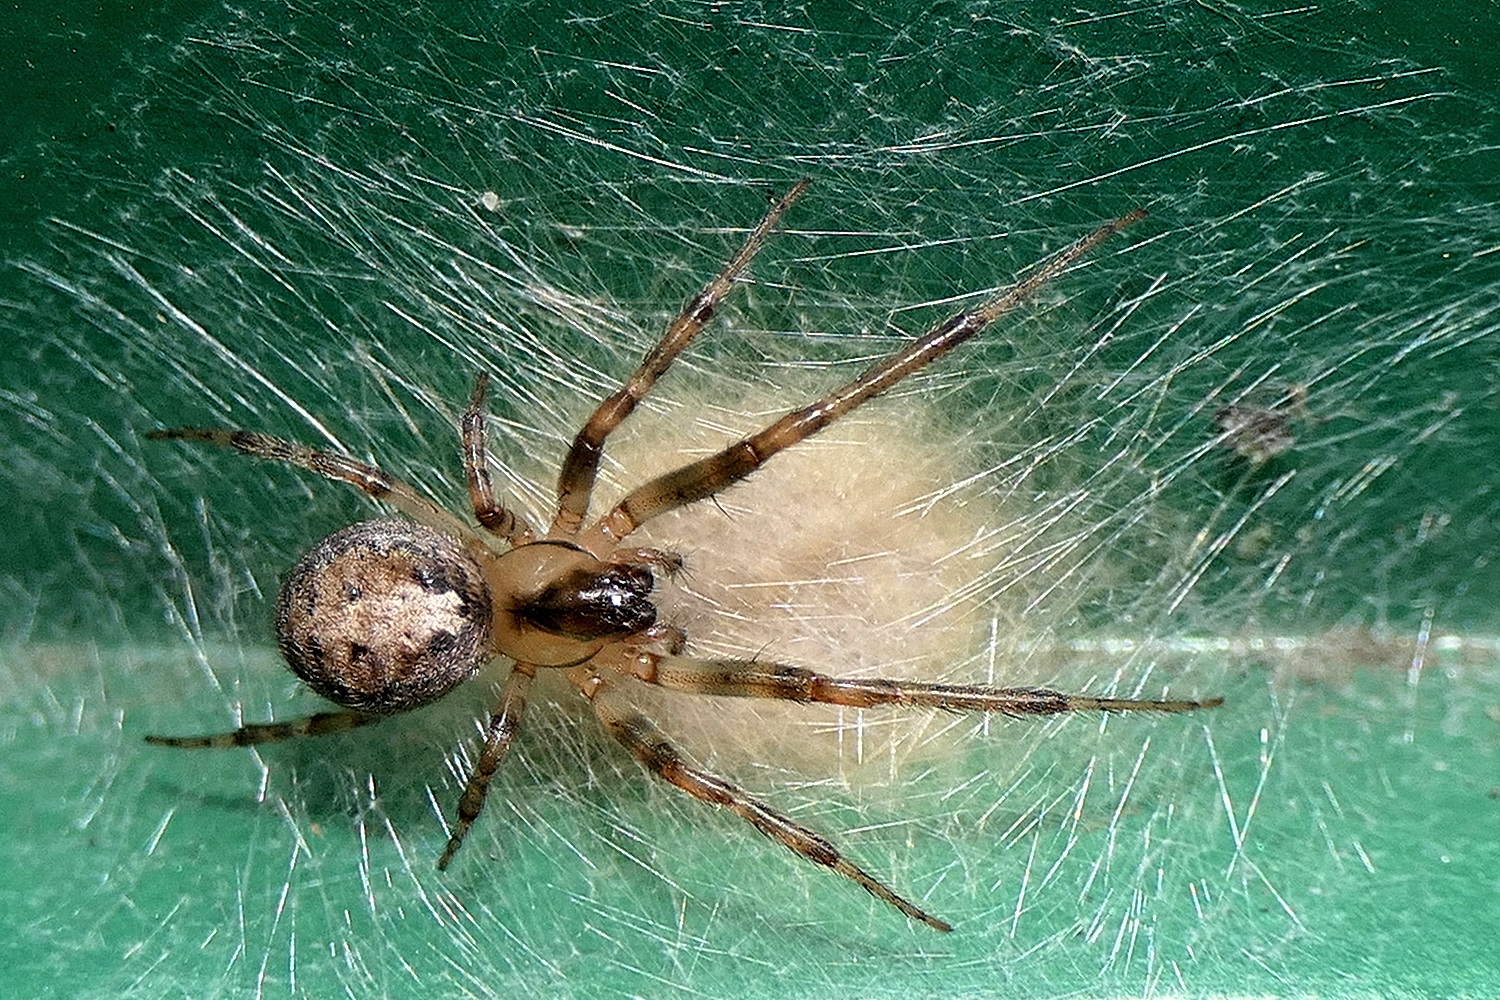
x=1260, y=433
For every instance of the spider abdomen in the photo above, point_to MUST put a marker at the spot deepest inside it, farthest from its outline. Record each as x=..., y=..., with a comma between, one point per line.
x=384, y=616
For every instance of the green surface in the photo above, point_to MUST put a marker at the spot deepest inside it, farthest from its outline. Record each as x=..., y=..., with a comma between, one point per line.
x=276, y=217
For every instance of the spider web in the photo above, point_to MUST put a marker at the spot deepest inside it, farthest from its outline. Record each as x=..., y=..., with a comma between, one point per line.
x=321, y=219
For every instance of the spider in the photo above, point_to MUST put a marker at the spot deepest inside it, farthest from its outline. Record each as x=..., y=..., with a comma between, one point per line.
x=386, y=616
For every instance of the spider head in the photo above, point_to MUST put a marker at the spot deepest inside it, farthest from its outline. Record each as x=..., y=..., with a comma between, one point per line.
x=561, y=604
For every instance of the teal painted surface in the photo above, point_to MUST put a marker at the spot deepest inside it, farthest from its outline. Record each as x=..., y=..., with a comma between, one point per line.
x=275, y=218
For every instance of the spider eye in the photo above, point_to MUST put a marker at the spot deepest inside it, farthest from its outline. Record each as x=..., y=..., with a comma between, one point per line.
x=384, y=616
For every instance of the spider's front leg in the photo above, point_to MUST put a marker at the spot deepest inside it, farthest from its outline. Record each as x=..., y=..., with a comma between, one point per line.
x=705, y=477
x=651, y=747
x=760, y=679
x=575, y=483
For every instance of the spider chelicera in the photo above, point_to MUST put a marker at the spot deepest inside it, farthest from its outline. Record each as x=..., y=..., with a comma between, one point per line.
x=389, y=615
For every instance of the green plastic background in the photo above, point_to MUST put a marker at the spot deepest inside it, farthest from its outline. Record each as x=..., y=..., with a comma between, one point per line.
x=270, y=215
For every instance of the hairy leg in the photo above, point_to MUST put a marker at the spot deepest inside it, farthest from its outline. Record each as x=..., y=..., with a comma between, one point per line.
x=710, y=475
x=492, y=516
x=649, y=746
x=504, y=724
x=758, y=679
x=371, y=481
x=581, y=467
x=320, y=724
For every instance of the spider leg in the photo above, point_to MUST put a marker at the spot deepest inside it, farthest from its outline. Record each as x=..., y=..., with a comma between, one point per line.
x=320, y=724
x=757, y=679
x=504, y=724
x=492, y=516
x=367, y=478
x=669, y=563
x=575, y=482
x=710, y=475
x=650, y=746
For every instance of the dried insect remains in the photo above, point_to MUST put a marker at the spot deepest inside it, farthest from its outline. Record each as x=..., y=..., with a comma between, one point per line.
x=389, y=615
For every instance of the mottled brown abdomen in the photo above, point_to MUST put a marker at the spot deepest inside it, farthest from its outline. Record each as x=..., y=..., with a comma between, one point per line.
x=384, y=616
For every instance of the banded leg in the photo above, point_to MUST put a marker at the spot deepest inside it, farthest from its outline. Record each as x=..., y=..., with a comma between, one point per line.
x=710, y=475
x=649, y=746
x=492, y=516
x=669, y=563
x=320, y=724
x=756, y=679
x=504, y=725
x=368, y=479
x=576, y=481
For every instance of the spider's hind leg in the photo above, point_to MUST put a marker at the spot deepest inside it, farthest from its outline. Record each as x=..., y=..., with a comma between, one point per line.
x=320, y=724
x=504, y=724
x=495, y=517
x=373, y=482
